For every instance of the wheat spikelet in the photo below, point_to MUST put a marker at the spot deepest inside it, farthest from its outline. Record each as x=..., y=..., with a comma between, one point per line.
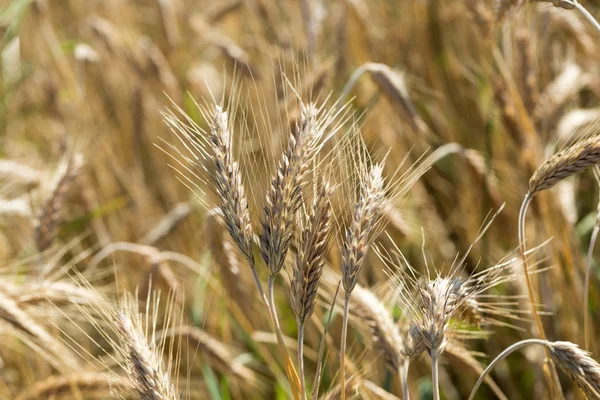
x=312, y=254
x=583, y=369
x=87, y=382
x=284, y=196
x=574, y=159
x=412, y=343
x=51, y=212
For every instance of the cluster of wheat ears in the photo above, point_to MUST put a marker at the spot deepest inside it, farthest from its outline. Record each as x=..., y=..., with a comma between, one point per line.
x=297, y=199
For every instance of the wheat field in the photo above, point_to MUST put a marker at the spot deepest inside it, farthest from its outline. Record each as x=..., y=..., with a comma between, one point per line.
x=309, y=199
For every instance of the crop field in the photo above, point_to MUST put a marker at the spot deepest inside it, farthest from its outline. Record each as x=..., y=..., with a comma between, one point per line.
x=299, y=199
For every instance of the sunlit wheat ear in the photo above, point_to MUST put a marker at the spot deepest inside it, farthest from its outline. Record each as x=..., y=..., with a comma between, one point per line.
x=51, y=213
x=577, y=363
x=284, y=197
x=359, y=235
x=210, y=161
x=312, y=254
x=576, y=158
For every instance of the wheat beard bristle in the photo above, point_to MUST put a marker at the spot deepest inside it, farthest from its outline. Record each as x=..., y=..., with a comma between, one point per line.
x=311, y=255
x=578, y=364
x=228, y=185
x=358, y=236
x=284, y=197
x=574, y=159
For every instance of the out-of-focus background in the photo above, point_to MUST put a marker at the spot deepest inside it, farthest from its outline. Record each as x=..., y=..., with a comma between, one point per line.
x=507, y=83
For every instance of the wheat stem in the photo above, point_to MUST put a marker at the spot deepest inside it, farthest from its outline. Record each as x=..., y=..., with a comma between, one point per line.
x=532, y=301
x=586, y=290
x=501, y=357
x=273, y=311
x=523, y=249
x=435, y=356
x=404, y=379
x=585, y=13
x=301, y=360
x=258, y=285
x=343, y=346
x=317, y=380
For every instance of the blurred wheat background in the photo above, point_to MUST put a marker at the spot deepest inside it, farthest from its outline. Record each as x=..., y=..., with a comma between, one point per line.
x=115, y=275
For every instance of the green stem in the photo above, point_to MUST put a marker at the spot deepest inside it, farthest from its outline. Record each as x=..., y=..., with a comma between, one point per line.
x=301, y=360
x=343, y=346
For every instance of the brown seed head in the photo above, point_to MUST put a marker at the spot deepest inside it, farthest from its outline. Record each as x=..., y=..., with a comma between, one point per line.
x=143, y=363
x=364, y=220
x=227, y=183
x=576, y=362
x=574, y=159
x=284, y=197
x=312, y=254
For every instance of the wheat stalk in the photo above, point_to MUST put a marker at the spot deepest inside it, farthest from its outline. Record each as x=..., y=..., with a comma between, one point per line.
x=576, y=158
x=357, y=242
x=576, y=362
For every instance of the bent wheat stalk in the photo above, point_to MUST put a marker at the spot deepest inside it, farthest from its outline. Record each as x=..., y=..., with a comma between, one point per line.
x=576, y=158
x=577, y=363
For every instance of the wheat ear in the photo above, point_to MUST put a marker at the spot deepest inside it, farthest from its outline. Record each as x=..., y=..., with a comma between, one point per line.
x=356, y=245
x=144, y=366
x=309, y=266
